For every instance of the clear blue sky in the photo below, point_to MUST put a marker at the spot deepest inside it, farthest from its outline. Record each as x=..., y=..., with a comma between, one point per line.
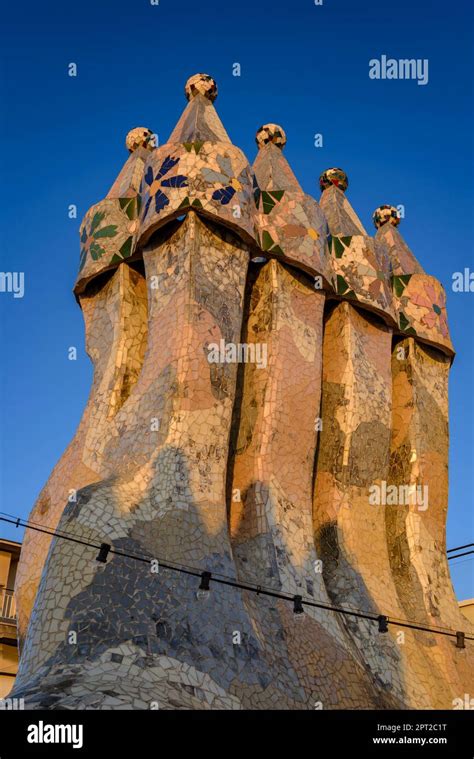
x=304, y=67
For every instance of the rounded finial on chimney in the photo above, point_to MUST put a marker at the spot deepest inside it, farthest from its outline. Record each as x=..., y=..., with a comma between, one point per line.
x=385, y=214
x=334, y=176
x=270, y=133
x=140, y=137
x=201, y=84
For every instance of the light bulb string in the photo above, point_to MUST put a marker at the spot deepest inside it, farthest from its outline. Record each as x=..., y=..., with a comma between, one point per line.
x=186, y=569
x=254, y=588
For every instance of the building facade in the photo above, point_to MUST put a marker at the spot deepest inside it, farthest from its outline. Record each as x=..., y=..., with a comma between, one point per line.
x=9, y=557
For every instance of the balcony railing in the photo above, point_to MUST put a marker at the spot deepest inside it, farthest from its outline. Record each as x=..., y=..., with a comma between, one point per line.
x=7, y=605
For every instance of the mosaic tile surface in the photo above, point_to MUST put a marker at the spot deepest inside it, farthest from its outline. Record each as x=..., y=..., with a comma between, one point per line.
x=341, y=217
x=333, y=177
x=127, y=184
x=271, y=133
x=107, y=235
x=198, y=168
x=394, y=248
x=420, y=425
x=421, y=306
x=259, y=469
x=212, y=177
x=385, y=215
x=416, y=538
x=351, y=531
x=362, y=274
x=140, y=137
x=201, y=84
x=115, y=317
x=288, y=223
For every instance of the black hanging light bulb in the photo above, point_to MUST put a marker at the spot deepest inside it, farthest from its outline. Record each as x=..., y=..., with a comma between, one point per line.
x=383, y=623
x=298, y=605
x=460, y=639
x=204, y=589
x=103, y=553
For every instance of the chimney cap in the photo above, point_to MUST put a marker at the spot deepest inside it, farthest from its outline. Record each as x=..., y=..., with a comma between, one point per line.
x=140, y=137
x=385, y=214
x=201, y=84
x=270, y=133
x=334, y=176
